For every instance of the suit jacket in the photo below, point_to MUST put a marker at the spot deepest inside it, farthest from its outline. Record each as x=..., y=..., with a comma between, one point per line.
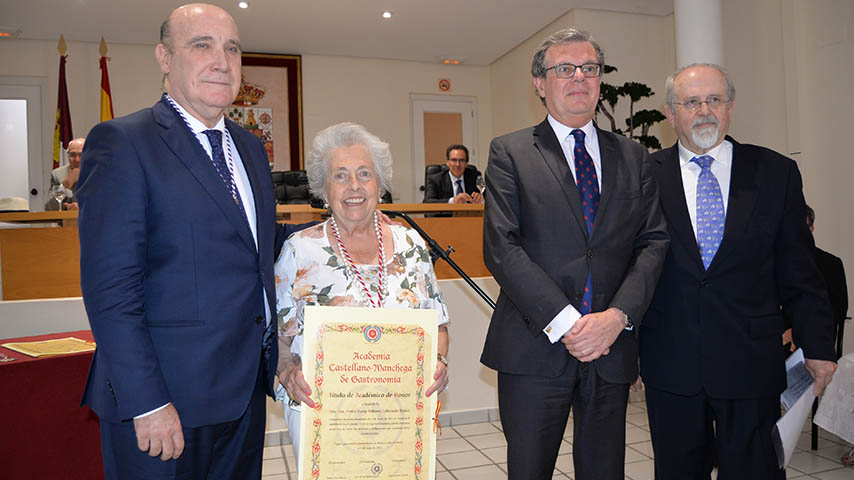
x=172, y=281
x=833, y=273
x=438, y=187
x=536, y=245
x=58, y=174
x=719, y=330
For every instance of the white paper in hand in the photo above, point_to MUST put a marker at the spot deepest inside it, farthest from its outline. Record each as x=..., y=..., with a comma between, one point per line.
x=800, y=394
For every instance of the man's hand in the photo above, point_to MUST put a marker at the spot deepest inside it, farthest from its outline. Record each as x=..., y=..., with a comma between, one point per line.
x=821, y=371
x=70, y=206
x=294, y=382
x=787, y=339
x=385, y=219
x=160, y=433
x=463, y=198
x=476, y=197
x=593, y=334
x=71, y=178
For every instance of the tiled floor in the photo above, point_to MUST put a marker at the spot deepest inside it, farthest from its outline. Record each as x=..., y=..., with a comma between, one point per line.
x=477, y=451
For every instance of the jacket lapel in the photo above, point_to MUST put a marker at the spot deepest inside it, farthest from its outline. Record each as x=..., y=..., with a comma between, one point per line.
x=673, y=202
x=743, y=191
x=547, y=143
x=611, y=160
x=189, y=151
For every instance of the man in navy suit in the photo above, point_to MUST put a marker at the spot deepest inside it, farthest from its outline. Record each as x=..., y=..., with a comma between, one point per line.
x=740, y=250
x=457, y=184
x=177, y=243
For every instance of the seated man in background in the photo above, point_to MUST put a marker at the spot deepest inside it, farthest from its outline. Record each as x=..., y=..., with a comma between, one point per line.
x=457, y=185
x=66, y=177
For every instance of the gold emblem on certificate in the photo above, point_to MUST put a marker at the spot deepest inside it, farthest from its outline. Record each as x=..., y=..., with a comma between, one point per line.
x=368, y=370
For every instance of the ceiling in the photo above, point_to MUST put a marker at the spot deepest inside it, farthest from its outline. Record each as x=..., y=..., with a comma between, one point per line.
x=476, y=31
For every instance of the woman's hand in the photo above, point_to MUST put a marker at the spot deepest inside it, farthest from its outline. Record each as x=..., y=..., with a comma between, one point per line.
x=441, y=379
x=294, y=382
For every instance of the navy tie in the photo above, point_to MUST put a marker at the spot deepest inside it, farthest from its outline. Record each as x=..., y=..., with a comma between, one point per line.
x=710, y=210
x=218, y=157
x=459, y=187
x=588, y=191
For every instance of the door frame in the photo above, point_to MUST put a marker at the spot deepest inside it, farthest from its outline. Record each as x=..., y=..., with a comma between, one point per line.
x=419, y=104
x=32, y=90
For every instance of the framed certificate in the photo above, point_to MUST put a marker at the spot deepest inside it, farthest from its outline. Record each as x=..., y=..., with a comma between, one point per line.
x=368, y=370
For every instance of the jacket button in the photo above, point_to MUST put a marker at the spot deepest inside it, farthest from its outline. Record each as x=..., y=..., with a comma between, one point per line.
x=589, y=253
x=259, y=319
x=704, y=283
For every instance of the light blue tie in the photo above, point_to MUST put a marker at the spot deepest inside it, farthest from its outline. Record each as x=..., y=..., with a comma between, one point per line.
x=710, y=211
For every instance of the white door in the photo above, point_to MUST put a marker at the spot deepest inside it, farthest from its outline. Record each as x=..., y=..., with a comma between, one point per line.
x=421, y=104
x=22, y=172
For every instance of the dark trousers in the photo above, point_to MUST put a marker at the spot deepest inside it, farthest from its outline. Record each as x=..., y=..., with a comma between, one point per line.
x=231, y=450
x=686, y=432
x=534, y=412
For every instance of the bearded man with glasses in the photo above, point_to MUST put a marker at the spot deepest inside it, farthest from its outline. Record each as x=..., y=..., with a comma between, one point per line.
x=575, y=237
x=740, y=250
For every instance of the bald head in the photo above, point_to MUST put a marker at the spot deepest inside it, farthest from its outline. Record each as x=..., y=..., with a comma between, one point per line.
x=75, y=149
x=186, y=12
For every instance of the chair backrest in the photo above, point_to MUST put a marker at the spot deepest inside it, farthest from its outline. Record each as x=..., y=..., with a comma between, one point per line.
x=435, y=168
x=291, y=187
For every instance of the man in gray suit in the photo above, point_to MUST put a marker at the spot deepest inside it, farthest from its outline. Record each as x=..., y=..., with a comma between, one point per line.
x=575, y=237
x=66, y=176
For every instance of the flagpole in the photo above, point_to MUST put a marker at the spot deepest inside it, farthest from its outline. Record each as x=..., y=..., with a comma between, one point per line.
x=62, y=131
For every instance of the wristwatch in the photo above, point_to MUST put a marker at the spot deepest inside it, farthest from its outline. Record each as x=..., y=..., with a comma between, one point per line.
x=629, y=323
x=442, y=359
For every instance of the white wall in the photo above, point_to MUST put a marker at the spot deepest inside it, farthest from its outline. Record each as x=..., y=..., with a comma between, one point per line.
x=375, y=93
x=823, y=48
x=335, y=89
x=134, y=81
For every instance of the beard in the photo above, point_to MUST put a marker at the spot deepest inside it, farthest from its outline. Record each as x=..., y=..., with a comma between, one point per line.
x=705, y=137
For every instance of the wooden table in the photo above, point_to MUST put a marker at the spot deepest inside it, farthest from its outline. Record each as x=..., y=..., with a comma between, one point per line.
x=45, y=262
x=44, y=432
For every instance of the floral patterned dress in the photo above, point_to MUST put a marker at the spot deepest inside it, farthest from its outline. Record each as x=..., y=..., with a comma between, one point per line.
x=309, y=272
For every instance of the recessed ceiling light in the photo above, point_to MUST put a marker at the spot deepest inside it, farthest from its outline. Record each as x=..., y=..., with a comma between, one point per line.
x=243, y=4
x=386, y=14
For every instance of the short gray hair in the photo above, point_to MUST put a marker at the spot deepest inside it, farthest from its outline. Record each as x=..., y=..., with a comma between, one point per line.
x=669, y=88
x=343, y=135
x=567, y=35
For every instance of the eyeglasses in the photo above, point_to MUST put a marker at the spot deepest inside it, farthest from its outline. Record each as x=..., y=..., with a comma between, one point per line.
x=567, y=70
x=713, y=101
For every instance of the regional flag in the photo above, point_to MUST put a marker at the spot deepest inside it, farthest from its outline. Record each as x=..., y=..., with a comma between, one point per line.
x=62, y=134
x=106, y=96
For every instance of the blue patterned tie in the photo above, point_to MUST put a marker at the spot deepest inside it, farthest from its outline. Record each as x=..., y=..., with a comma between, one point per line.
x=459, y=187
x=218, y=157
x=710, y=210
x=588, y=190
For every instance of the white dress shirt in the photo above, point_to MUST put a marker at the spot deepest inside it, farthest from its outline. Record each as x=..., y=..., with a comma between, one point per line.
x=721, y=167
x=567, y=317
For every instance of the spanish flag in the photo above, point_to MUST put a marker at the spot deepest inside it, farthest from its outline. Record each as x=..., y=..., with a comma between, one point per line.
x=62, y=134
x=106, y=96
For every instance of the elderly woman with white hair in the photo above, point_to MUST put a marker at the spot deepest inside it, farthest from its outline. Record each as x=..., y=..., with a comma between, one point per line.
x=385, y=265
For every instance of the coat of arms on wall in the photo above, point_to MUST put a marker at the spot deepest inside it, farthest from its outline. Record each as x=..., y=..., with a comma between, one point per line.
x=258, y=120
